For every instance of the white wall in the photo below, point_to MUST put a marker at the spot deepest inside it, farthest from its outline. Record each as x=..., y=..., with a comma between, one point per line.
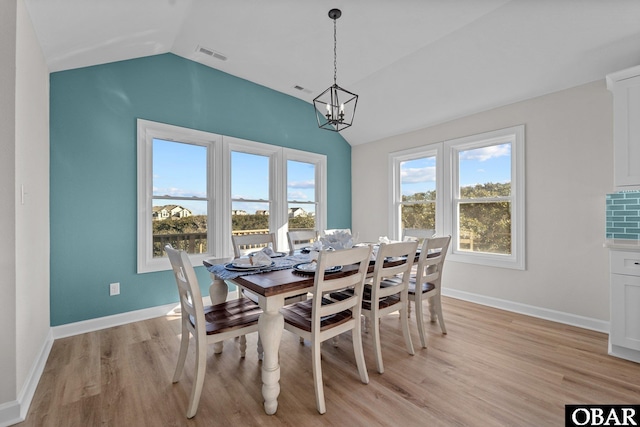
x=32, y=217
x=24, y=253
x=569, y=169
x=7, y=193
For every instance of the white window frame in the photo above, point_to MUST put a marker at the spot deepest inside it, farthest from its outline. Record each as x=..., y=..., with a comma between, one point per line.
x=218, y=188
x=514, y=135
x=395, y=188
x=447, y=155
x=274, y=154
x=320, y=163
x=147, y=132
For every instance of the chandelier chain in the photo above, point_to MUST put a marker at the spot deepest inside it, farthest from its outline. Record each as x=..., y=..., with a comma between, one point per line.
x=335, y=54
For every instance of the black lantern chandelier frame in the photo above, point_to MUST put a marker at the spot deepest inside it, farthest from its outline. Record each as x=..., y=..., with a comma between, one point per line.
x=335, y=107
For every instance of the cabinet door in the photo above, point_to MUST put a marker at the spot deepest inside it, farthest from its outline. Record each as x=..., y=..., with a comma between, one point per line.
x=626, y=133
x=625, y=311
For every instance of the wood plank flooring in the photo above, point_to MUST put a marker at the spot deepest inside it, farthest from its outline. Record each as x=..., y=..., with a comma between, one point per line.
x=493, y=368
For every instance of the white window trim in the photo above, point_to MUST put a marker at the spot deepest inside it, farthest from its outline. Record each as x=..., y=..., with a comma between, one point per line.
x=515, y=135
x=231, y=144
x=395, y=159
x=320, y=163
x=446, y=182
x=147, y=132
x=219, y=188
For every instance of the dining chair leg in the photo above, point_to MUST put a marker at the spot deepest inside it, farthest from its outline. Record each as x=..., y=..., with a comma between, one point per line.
x=317, y=376
x=182, y=356
x=420, y=320
x=436, y=303
x=432, y=310
x=242, y=342
x=405, y=328
x=359, y=353
x=198, y=382
x=377, y=345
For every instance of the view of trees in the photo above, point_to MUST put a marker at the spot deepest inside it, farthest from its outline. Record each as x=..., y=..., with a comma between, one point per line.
x=484, y=227
x=190, y=233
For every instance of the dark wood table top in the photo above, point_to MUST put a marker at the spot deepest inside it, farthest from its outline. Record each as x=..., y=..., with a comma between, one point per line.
x=285, y=281
x=275, y=282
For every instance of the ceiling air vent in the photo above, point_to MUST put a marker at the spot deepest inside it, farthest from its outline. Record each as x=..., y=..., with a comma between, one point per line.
x=211, y=52
x=300, y=88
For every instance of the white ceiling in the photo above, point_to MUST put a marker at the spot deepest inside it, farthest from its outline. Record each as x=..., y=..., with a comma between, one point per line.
x=414, y=63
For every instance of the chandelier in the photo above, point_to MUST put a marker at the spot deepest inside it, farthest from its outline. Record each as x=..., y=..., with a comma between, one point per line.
x=335, y=107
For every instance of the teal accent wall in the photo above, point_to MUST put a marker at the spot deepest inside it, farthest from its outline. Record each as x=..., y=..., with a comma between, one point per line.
x=93, y=168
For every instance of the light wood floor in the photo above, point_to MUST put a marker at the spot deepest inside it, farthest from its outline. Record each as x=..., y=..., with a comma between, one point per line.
x=494, y=368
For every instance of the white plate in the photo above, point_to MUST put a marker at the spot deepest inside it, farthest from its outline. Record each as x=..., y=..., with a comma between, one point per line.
x=274, y=255
x=310, y=268
x=256, y=264
x=246, y=267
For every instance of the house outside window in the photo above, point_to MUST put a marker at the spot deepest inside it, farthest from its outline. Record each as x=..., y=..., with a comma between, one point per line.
x=195, y=187
x=301, y=195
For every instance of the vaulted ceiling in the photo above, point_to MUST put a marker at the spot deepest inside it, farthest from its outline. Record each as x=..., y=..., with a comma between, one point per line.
x=414, y=63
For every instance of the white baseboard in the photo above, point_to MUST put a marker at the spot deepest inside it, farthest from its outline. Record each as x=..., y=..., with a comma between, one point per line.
x=91, y=325
x=624, y=353
x=10, y=413
x=16, y=411
x=530, y=310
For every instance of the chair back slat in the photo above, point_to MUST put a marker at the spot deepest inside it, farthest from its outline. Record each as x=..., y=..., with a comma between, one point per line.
x=429, y=265
x=188, y=288
x=418, y=234
x=406, y=250
x=246, y=243
x=326, y=283
x=300, y=238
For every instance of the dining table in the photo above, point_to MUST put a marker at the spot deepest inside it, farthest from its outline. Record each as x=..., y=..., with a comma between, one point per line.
x=271, y=286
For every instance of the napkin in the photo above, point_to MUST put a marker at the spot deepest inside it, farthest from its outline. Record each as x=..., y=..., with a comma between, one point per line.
x=257, y=258
x=338, y=240
x=261, y=257
x=242, y=261
x=384, y=239
x=268, y=251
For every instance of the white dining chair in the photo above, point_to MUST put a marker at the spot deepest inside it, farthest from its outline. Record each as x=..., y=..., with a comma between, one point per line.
x=319, y=319
x=300, y=238
x=418, y=234
x=207, y=324
x=426, y=284
x=245, y=243
x=388, y=291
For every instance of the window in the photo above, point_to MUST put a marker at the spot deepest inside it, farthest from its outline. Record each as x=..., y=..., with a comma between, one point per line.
x=196, y=188
x=480, y=200
x=250, y=193
x=180, y=197
x=415, y=191
x=301, y=195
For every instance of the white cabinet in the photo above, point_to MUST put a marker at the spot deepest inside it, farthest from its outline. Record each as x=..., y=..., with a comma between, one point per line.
x=624, y=335
x=625, y=86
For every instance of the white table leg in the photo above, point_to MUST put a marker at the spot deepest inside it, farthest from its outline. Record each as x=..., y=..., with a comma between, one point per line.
x=218, y=291
x=270, y=325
